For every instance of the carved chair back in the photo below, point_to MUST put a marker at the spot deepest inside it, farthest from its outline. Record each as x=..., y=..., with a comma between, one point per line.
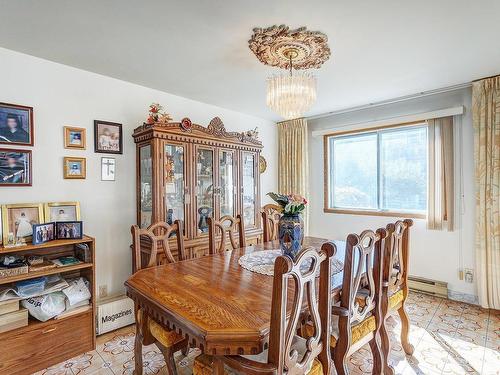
x=297, y=278
x=396, y=254
x=302, y=274
x=153, y=240
x=227, y=226
x=271, y=214
x=362, y=271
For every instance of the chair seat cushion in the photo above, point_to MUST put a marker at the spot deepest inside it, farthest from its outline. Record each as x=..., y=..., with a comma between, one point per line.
x=358, y=331
x=163, y=335
x=203, y=363
x=394, y=300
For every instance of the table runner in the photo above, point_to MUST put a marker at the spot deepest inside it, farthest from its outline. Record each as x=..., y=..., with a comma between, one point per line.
x=263, y=262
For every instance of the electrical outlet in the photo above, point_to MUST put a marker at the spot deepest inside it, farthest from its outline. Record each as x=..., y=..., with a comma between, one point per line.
x=468, y=275
x=103, y=291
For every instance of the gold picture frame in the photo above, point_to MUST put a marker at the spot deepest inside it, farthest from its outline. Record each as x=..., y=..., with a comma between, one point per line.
x=71, y=142
x=7, y=220
x=52, y=206
x=75, y=168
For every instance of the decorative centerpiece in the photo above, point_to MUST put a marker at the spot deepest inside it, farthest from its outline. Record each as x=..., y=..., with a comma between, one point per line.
x=290, y=225
x=157, y=115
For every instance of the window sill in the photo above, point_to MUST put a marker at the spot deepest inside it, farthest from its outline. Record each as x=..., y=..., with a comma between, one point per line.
x=411, y=215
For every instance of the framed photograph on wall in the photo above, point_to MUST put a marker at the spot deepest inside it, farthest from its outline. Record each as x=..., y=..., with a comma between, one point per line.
x=108, y=166
x=108, y=137
x=75, y=138
x=15, y=167
x=69, y=230
x=62, y=211
x=75, y=168
x=43, y=233
x=16, y=124
x=18, y=220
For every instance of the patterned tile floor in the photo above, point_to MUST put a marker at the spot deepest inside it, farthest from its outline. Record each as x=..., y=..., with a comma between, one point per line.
x=450, y=338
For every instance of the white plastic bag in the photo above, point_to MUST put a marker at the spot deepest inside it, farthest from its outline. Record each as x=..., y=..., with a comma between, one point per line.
x=77, y=291
x=45, y=307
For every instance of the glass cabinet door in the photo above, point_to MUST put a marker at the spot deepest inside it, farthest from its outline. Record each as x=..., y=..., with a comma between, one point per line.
x=204, y=188
x=226, y=182
x=174, y=182
x=248, y=188
x=146, y=186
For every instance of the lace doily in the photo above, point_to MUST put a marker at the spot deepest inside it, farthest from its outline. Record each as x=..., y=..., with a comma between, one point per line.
x=263, y=262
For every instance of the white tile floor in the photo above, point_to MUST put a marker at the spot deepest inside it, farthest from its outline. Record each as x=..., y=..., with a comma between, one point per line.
x=450, y=338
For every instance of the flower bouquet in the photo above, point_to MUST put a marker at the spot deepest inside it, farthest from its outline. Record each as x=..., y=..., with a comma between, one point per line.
x=291, y=225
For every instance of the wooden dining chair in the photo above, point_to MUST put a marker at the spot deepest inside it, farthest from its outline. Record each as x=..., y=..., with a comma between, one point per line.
x=271, y=214
x=149, y=243
x=356, y=321
x=288, y=353
x=395, y=286
x=227, y=226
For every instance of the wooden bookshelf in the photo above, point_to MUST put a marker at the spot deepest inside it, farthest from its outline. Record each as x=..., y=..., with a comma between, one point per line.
x=43, y=344
x=52, y=271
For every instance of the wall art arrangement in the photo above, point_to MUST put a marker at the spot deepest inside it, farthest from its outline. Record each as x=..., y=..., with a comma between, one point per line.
x=75, y=138
x=108, y=169
x=75, y=168
x=16, y=124
x=16, y=129
x=108, y=137
x=37, y=223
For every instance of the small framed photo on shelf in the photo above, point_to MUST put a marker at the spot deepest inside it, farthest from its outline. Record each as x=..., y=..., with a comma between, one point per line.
x=62, y=211
x=69, y=230
x=16, y=124
x=18, y=221
x=15, y=167
x=43, y=233
x=75, y=138
x=108, y=166
x=75, y=168
x=108, y=137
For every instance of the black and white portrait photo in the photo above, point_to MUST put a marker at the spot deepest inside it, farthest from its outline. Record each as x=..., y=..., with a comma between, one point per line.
x=16, y=124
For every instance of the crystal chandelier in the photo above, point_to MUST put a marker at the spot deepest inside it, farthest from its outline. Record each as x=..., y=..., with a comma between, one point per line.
x=291, y=95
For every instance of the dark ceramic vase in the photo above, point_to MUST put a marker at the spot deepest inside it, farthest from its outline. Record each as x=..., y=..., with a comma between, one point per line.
x=291, y=234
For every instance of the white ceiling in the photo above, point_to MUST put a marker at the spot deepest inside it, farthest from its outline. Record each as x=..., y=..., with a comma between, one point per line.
x=198, y=49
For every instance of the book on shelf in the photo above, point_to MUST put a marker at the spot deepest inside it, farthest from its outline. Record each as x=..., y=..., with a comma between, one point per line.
x=66, y=261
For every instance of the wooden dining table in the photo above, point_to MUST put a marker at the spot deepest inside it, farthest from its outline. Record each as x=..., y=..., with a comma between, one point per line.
x=221, y=307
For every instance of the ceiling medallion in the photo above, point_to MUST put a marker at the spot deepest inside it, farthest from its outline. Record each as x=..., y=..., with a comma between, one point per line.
x=272, y=46
x=287, y=94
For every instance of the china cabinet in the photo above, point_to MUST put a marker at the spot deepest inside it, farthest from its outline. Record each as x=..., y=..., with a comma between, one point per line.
x=190, y=172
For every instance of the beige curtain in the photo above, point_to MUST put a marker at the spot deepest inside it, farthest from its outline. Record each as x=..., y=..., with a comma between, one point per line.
x=486, y=121
x=440, y=197
x=292, y=163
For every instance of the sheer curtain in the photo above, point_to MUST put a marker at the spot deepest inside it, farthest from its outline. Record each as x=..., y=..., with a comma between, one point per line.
x=440, y=197
x=292, y=159
x=486, y=121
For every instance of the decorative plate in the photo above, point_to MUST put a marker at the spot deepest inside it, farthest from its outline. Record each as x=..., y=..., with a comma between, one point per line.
x=262, y=164
x=186, y=124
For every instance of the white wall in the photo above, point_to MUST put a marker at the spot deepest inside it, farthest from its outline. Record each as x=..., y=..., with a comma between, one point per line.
x=434, y=254
x=63, y=95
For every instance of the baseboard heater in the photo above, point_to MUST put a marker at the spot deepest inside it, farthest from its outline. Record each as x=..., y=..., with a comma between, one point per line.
x=433, y=287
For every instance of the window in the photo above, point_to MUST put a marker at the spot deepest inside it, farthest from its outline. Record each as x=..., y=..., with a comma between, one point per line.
x=381, y=171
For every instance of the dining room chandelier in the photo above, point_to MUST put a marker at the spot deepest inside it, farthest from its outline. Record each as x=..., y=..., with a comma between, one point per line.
x=293, y=93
